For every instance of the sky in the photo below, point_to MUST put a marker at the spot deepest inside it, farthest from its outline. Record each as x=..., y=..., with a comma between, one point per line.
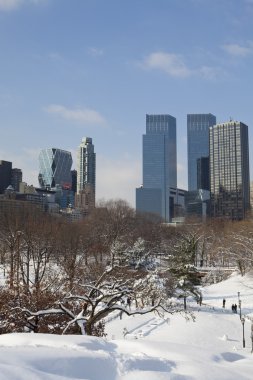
x=94, y=68
x=209, y=348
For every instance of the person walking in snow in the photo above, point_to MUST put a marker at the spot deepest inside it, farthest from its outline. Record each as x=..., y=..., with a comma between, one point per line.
x=223, y=303
x=235, y=308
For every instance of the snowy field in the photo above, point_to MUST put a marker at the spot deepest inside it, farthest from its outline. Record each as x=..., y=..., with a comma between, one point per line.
x=210, y=348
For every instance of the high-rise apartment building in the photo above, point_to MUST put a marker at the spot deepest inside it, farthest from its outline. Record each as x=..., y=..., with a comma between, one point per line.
x=229, y=170
x=197, y=143
x=159, y=166
x=5, y=175
x=9, y=176
x=16, y=178
x=86, y=166
x=203, y=173
x=85, y=199
x=55, y=168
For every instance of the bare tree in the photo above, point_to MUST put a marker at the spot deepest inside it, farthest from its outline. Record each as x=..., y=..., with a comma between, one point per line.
x=92, y=303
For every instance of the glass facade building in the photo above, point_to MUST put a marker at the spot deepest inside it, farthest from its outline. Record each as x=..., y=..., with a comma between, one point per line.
x=203, y=173
x=149, y=200
x=86, y=165
x=74, y=180
x=55, y=168
x=229, y=170
x=159, y=165
x=197, y=203
x=197, y=143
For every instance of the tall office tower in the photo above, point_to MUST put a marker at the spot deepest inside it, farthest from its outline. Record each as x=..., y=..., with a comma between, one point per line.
x=159, y=166
x=74, y=180
x=16, y=178
x=229, y=170
x=203, y=173
x=86, y=165
x=197, y=143
x=55, y=168
x=5, y=175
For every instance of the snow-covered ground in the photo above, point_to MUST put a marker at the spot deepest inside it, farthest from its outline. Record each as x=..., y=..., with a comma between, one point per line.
x=210, y=348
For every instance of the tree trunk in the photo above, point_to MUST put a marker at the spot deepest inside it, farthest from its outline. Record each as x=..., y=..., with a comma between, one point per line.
x=88, y=328
x=184, y=302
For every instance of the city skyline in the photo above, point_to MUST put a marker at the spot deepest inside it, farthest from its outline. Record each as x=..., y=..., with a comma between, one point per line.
x=97, y=68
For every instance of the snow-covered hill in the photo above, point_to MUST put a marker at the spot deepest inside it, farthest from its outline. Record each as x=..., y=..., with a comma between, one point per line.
x=209, y=348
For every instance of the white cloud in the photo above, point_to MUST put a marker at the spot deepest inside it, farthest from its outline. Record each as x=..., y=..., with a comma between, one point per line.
x=170, y=63
x=95, y=52
x=80, y=115
x=174, y=66
x=239, y=50
x=54, y=56
x=10, y=5
x=210, y=73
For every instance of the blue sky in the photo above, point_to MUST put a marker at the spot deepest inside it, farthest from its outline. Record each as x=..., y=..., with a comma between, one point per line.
x=75, y=68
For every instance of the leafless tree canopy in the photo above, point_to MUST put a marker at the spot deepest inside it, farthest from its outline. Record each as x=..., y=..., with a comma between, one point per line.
x=62, y=277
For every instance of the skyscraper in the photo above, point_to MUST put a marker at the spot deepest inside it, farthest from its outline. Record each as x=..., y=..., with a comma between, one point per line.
x=55, y=168
x=74, y=180
x=159, y=165
x=5, y=175
x=229, y=170
x=86, y=165
x=197, y=143
x=203, y=173
x=16, y=178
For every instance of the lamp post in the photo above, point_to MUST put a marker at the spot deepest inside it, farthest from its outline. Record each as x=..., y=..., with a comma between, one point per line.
x=18, y=258
x=243, y=337
x=240, y=307
x=251, y=336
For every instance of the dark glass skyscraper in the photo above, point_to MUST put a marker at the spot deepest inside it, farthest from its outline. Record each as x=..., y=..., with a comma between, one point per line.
x=229, y=170
x=74, y=180
x=197, y=143
x=55, y=168
x=159, y=165
x=5, y=175
x=203, y=173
